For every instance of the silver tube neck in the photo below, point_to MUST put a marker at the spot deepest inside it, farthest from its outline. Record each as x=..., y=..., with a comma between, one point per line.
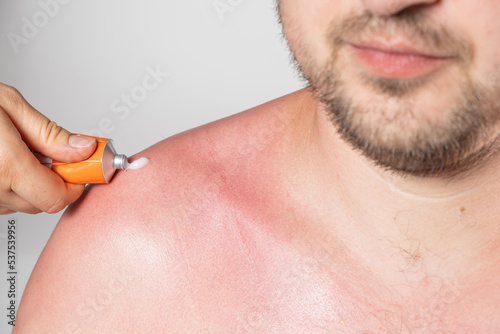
x=120, y=161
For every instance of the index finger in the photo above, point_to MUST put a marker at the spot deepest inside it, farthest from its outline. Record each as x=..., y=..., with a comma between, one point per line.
x=40, y=186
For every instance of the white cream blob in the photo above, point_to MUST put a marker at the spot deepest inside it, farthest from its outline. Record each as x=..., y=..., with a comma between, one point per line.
x=137, y=164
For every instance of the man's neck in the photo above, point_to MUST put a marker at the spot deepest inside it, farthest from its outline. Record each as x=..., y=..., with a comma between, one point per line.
x=401, y=221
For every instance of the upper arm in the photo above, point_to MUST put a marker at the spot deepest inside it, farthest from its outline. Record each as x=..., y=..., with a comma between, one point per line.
x=128, y=257
x=112, y=263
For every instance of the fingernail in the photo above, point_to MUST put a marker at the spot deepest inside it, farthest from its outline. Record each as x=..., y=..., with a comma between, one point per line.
x=77, y=141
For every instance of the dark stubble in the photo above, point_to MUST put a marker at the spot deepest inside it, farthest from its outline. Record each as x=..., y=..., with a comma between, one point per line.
x=445, y=148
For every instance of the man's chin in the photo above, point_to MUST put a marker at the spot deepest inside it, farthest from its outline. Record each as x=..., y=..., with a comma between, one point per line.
x=439, y=160
x=413, y=141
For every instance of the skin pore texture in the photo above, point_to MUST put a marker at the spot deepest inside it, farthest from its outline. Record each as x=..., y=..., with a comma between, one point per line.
x=275, y=220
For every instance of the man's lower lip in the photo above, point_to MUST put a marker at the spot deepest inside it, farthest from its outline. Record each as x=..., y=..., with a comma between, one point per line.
x=396, y=65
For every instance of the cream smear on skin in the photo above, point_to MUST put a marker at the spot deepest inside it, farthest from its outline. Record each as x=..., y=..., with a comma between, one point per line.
x=137, y=164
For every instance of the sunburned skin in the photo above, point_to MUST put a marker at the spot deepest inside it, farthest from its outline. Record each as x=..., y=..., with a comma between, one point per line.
x=368, y=206
x=217, y=237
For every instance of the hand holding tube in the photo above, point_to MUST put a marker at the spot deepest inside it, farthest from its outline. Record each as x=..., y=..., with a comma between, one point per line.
x=25, y=184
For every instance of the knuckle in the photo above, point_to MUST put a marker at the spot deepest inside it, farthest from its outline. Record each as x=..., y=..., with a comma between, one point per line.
x=31, y=210
x=56, y=206
x=9, y=90
x=6, y=168
x=50, y=132
x=10, y=95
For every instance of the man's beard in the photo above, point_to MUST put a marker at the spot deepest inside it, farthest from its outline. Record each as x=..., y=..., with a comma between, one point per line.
x=402, y=140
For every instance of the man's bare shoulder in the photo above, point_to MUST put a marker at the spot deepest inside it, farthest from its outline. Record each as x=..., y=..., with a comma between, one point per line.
x=193, y=171
x=136, y=239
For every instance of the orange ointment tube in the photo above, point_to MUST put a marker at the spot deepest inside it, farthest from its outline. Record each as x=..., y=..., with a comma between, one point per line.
x=98, y=168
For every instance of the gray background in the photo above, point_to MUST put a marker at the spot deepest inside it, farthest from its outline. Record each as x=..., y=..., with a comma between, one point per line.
x=83, y=56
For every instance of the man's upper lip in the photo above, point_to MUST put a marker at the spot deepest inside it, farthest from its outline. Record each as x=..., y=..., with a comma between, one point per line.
x=397, y=47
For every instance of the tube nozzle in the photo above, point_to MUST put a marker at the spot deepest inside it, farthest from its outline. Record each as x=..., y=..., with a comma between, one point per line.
x=120, y=161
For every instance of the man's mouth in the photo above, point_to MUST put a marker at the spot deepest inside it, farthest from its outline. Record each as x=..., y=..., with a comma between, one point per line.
x=396, y=60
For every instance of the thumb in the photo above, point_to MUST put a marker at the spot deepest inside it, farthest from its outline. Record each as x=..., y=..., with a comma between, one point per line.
x=40, y=133
x=57, y=143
